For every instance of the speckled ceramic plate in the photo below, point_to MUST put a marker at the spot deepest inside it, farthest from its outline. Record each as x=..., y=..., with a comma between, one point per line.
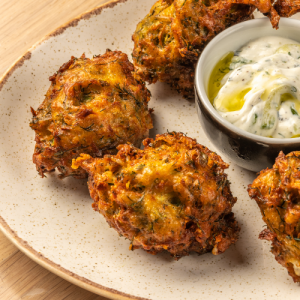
x=52, y=221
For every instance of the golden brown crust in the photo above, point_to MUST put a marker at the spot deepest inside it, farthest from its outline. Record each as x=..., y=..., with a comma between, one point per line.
x=173, y=195
x=92, y=106
x=277, y=193
x=287, y=8
x=283, y=252
x=169, y=40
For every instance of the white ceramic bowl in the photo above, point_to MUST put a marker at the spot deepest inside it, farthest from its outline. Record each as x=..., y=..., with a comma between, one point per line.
x=248, y=150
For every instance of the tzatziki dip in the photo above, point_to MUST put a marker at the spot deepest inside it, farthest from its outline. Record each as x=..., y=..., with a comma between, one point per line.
x=257, y=88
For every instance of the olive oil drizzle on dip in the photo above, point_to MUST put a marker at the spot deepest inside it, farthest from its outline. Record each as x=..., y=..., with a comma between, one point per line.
x=257, y=88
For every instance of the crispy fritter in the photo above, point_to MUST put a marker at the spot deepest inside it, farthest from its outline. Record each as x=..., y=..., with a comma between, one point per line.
x=92, y=106
x=287, y=8
x=277, y=193
x=173, y=195
x=169, y=40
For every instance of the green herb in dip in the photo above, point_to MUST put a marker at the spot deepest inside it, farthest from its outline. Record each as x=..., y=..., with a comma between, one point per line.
x=257, y=88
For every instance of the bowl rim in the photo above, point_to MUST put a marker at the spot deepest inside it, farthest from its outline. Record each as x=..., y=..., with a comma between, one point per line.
x=200, y=88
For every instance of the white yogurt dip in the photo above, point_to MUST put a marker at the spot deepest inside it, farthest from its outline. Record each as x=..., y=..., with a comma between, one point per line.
x=261, y=92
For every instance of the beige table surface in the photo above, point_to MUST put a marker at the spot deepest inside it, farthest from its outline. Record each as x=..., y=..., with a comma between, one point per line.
x=22, y=24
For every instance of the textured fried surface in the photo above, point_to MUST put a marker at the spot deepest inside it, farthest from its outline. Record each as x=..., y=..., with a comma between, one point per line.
x=277, y=193
x=287, y=8
x=169, y=40
x=92, y=106
x=173, y=195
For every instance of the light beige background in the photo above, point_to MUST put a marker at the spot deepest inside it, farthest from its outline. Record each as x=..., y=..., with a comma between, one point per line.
x=246, y=271
x=22, y=24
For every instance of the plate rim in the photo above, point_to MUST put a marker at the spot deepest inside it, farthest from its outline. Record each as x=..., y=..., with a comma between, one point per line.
x=21, y=244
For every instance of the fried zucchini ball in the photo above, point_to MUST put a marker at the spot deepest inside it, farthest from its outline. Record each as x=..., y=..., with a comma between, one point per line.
x=169, y=40
x=92, y=106
x=277, y=193
x=287, y=8
x=173, y=195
